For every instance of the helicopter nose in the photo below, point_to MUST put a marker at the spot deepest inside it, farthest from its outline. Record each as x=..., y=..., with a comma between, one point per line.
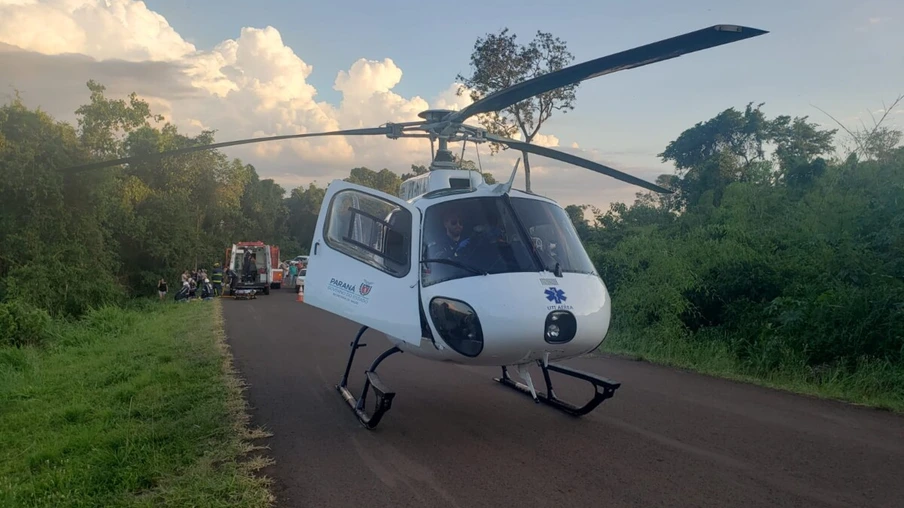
x=560, y=327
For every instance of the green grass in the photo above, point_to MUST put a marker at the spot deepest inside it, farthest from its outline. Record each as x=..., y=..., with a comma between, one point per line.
x=128, y=408
x=877, y=384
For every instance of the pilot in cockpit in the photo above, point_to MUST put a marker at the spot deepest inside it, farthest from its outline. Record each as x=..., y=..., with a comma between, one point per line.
x=449, y=244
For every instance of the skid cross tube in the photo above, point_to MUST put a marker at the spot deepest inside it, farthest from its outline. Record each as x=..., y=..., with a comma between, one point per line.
x=608, y=387
x=384, y=396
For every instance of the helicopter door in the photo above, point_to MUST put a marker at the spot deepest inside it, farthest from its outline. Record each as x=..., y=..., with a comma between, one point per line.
x=363, y=264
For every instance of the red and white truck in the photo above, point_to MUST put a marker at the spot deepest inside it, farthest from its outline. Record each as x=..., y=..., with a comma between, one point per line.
x=268, y=275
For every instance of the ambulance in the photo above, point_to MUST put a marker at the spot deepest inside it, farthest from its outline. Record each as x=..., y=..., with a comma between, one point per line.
x=268, y=274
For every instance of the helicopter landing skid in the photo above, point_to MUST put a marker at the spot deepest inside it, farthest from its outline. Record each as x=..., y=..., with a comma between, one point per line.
x=608, y=387
x=384, y=396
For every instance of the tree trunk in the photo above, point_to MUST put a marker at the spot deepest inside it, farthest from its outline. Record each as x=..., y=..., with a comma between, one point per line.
x=197, y=238
x=526, y=173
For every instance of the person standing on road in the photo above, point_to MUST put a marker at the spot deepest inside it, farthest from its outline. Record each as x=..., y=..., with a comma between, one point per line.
x=252, y=269
x=246, y=266
x=217, y=280
x=293, y=271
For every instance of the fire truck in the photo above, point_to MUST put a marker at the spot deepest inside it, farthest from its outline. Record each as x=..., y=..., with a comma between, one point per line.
x=268, y=274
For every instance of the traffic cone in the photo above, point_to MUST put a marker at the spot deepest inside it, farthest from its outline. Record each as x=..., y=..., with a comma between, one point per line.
x=300, y=297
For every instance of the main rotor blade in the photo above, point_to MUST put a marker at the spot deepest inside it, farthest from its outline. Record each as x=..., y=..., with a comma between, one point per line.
x=577, y=161
x=666, y=49
x=375, y=131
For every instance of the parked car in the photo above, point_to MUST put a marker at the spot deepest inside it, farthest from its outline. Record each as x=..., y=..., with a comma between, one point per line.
x=299, y=280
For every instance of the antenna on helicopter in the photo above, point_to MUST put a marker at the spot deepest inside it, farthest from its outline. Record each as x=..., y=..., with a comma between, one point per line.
x=507, y=186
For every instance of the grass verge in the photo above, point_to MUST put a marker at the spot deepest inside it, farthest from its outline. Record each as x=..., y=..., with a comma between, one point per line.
x=128, y=408
x=877, y=384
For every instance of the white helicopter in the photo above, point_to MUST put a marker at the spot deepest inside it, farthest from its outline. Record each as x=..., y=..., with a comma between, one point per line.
x=457, y=270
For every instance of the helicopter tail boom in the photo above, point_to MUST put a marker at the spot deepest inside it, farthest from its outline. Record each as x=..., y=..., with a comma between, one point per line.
x=605, y=388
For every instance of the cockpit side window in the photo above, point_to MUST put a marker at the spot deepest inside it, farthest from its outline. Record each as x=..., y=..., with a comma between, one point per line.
x=553, y=235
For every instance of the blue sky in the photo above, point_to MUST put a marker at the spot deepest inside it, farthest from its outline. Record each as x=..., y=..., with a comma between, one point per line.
x=843, y=56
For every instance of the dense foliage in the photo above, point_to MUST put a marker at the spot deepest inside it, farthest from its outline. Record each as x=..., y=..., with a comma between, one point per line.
x=792, y=261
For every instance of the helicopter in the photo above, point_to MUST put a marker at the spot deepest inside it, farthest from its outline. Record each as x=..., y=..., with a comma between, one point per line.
x=460, y=271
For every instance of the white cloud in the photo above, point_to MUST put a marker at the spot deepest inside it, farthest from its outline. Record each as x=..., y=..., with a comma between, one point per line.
x=253, y=85
x=88, y=27
x=547, y=140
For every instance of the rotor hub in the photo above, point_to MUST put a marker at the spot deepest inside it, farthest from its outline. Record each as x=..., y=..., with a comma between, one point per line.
x=435, y=115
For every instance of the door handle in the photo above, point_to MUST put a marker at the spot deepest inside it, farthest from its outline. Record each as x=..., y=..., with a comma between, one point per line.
x=316, y=244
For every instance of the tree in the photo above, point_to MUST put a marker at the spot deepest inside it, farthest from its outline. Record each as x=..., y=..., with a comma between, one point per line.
x=103, y=118
x=303, y=207
x=383, y=180
x=730, y=147
x=798, y=141
x=498, y=62
x=738, y=134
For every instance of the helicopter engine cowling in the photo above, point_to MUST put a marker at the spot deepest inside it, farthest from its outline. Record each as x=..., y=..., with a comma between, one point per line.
x=515, y=317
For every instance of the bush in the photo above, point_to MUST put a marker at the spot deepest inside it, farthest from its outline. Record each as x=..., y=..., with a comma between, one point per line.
x=77, y=290
x=22, y=324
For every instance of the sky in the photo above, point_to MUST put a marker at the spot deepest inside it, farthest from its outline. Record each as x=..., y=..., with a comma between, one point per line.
x=271, y=67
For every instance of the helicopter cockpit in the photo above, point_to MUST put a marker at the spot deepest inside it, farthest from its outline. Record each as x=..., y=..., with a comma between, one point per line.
x=498, y=234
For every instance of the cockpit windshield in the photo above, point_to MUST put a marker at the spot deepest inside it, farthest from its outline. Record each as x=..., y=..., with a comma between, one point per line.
x=477, y=236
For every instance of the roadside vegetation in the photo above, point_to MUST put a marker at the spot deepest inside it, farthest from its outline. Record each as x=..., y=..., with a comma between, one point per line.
x=784, y=270
x=134, y=406
x=108, y=398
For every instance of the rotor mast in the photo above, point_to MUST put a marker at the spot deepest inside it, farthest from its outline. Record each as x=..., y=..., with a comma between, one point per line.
x=443, y=158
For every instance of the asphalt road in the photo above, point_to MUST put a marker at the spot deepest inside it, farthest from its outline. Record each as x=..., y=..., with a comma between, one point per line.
x=456, y=438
